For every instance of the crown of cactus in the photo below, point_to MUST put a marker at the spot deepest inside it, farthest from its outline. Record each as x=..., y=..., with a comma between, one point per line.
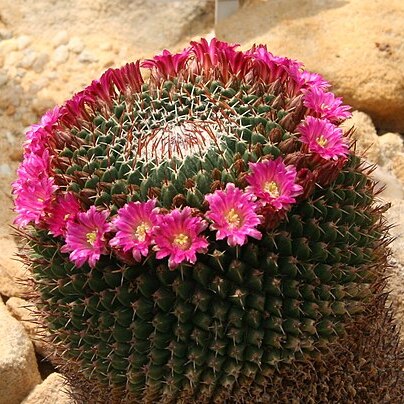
x=194, y=230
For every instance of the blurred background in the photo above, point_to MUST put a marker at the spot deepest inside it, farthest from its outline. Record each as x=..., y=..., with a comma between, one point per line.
x=50, y=49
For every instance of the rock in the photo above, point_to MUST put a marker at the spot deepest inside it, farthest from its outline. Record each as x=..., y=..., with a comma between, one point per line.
x=29, y=57
x=75, y=45
x=396, y=287
x=10, y=137
x=392, y=187
x=40, y=62
x=53, y=389
x=395, y=215
x=397, y=166
x=365, y=64
x=23, y=41
x=8, y=45
x=87, y=57
x=5, y=34
x=61, y=38
x=390, y=145
x=16, y=154
x=106, y=46
x=3, y=78
x=18, y=367
x=25, y=313
x=5, y=170
x=61, y=54
x=12, y=273
x=365, y=134
x=42, y=104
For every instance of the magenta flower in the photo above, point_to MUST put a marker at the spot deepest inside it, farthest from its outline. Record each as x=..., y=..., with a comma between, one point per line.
x=166, y=64
x=64, y=211
x=232, y=213
x=325, y=105
x=271, y=68
x=134, y=225
x=85, y=237
x=33, y=198
x=323, y=137
x=177, y=236
x=34, y=167
x=314, y=80
x=33, y=189
x=38, y=134
x=273, y=183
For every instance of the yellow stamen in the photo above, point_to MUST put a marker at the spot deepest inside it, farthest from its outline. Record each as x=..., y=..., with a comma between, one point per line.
x=91, y=237
x=182, y=241
x=141, y=231
x=66, y=216
x=232, y=218
x=322, y=141
x=272, y=188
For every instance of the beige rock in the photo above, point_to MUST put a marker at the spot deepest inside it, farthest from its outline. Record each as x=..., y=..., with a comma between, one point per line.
x=41, y=104
x=392, y=187
x=395, y=215
x=29, y=57
x=61, y=54
x=355, y=44
x=18, y=367
x=53, y=390
x=75, y=45
x=12, y=273
x=60, y=38
x=365, y=134
x=25, y=313
x=397, y=166
x=23, y=41
x=390, y=144
x=396, y=286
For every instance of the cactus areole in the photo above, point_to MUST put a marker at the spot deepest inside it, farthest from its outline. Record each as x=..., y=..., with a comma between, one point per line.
x=191, y=232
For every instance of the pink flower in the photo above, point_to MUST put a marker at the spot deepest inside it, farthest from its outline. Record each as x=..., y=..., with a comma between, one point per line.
x=220, y=59
x=135, y=222
x=64, y=211
x=212, y=53
x=323, y=137
x=166, y=64
x=38, y=134
x=325, y=105
x=177, y=236
x=34, y=167
x=85, y=237
x=34, y=189
x=233, y=215
x=314, y=80
x=271, y=68
x=33, y=198
x=273, y=183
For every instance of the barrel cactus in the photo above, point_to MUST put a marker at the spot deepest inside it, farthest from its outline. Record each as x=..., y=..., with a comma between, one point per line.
x=196, y=222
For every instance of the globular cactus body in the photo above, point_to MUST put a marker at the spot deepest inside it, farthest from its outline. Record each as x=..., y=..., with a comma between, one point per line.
x=192, y=232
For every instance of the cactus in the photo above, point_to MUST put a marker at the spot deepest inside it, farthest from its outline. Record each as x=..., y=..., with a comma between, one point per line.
x=194, y=232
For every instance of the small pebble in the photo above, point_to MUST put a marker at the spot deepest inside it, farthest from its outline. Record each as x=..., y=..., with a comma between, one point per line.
x=75, y=45
x=61, y=54
x=87, y=57
x=61, y=38
x=28, y=59
x=23, y=41
x=3, y=78
x=41, y=60
x=5, y=170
